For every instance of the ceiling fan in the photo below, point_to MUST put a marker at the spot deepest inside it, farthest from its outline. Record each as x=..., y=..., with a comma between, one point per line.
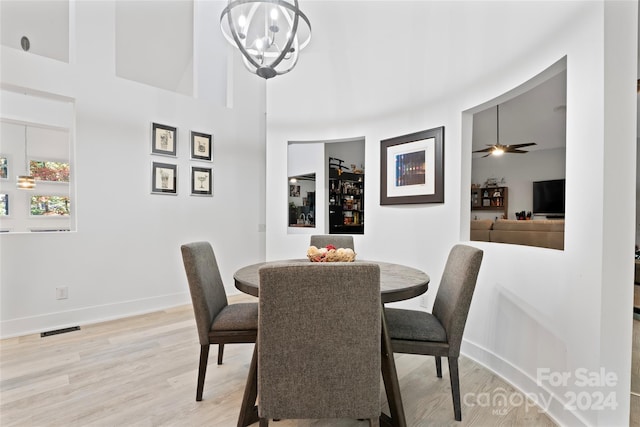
x=498, y=149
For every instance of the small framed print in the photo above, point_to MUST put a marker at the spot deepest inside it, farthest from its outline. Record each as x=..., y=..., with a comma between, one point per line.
x=4, y=204
x=4, y=167
x=163, y=140
x=201, y=181
x=201, y=144
x=164, y=178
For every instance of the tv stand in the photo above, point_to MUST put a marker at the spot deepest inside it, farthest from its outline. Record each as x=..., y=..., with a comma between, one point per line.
x=555, y=216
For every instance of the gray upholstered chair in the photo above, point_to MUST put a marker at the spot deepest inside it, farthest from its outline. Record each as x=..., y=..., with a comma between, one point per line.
x=439, y=333
x=337, y=240
x=217, y=321
x=319, y=342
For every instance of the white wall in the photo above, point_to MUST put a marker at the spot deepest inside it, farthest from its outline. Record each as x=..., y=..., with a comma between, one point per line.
x=533, y=308
x=519, y=172
x=351, y=152
x=125, y=256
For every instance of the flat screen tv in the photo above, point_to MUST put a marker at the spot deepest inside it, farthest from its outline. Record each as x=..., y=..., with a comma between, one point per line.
x=548, y=197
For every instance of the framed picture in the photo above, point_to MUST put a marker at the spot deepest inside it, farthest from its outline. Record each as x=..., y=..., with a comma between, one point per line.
x=4, y=204
x=163, y=140
x=4, y=167
x=201, y=144
x=164, y=178
x=412, y=168
x=294, y=190
x=201, y=181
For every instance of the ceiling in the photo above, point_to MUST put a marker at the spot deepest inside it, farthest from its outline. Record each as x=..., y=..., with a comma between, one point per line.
x=538, y=115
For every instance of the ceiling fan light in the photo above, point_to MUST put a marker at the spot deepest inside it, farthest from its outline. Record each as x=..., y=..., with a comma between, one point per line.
x=498, y=151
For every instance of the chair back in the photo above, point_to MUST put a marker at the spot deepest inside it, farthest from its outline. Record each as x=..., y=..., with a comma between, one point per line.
x=453, y=299
x=205, y=285
x=319, y=328
x=337, y=240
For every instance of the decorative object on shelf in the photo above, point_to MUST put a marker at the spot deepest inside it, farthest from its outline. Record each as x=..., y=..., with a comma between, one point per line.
x=498, y=149
x=490, y=199
x=269, y=34
x=28, y=181
x=412, y=168
x=201, y=181
x=163, y=140
x=201, y=146
x=330, y=254
x=164, y=178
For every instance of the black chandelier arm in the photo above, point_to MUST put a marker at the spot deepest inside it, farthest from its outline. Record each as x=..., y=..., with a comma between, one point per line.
x=234, y=33
x=262, y=68
x=294, y=30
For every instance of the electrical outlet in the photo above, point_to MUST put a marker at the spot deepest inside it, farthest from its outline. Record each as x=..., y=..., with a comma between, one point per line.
x=62, y=292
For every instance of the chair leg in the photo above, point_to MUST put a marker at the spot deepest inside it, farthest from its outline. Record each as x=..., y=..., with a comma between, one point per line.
x=202, y=370
x=438, y=366
x=374, y=422
x=264, y=422
x=455, y=387
x=220, y=353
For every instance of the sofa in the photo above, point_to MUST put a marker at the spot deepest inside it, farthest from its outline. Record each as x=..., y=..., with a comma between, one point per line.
x=541, y=233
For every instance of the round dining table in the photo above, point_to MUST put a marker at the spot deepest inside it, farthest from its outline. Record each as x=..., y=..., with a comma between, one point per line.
x=397, y=282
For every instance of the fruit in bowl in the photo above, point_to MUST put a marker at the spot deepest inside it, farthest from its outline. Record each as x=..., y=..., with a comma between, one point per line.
x=330, y=254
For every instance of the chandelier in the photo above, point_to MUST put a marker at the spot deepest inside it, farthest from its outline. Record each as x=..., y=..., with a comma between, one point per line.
x=269, y=33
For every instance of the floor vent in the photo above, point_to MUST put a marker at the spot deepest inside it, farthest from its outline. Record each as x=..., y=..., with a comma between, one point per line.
x=59, y=331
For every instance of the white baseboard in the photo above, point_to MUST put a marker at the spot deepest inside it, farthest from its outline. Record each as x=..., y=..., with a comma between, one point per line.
x=524, y=383
x=88, y=315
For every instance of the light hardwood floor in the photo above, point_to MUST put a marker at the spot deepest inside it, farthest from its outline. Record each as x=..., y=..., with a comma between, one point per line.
x=141, y=371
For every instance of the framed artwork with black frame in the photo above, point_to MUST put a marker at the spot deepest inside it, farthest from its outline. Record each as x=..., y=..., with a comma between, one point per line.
x=412, y=168
x=164, y=140
x=201, y=181
x=201, y=146
x=164, y=178
x=4, y=204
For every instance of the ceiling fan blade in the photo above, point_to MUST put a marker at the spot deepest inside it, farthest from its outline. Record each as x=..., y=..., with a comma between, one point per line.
x=486, y=155
x=516, y=151
x=528, y=144
x=484, y=150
